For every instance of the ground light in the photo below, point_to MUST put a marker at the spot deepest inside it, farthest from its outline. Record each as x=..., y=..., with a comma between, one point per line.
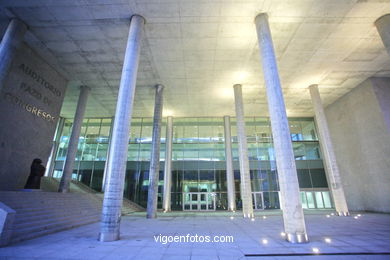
x=328, y=240
x=264, y=241
x=253, y=219
x=315, y=250
x=328, y=216
x=264, y=217
x=355, y=217
x=231, y=217
x=283, y=234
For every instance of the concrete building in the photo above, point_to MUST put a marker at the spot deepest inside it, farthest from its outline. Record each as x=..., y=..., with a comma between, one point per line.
x=293, y=149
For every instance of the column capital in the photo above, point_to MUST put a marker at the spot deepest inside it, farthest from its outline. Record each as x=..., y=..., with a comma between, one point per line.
x=261, y=16
x=159, y=87
x=237, y=86
x=382, y=18
x=313, y=86
x=19, y=23
x=84, y=87
x=138, y=16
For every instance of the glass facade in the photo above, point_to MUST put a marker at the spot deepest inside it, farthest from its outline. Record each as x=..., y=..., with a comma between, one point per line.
x=198, y=161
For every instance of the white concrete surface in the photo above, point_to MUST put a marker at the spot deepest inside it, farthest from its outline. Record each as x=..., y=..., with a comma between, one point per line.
x=154, y=169
x=74, y=140
x=116, y=169
x=200, y=48
x=330, y=162
x=361, y=140
x=168, y=165
x=294, y=220
x=230, y=183
x=245, y=178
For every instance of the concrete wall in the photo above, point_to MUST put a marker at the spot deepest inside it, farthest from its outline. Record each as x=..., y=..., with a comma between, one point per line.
x=361, y=138
x=30, y=105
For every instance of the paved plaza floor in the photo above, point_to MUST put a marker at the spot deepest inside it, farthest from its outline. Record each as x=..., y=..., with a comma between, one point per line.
x=363, y=236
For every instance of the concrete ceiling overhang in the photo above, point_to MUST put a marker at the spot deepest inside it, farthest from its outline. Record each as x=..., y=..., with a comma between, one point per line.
x=199, y=49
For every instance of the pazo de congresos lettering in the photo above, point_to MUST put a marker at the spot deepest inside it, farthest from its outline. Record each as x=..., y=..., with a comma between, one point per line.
x=29, y=108
x=193, y=239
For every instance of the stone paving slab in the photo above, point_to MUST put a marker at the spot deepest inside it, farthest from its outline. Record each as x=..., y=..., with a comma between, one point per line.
x=258, y=239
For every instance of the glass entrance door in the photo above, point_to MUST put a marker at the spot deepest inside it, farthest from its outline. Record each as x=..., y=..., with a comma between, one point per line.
x=198, y=201
x=258, y=200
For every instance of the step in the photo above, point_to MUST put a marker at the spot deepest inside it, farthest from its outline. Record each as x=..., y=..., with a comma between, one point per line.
x=27, y=222
x=62, y=223
x=43, y=232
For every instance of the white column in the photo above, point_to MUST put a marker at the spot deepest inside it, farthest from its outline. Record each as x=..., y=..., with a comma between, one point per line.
x=116, y=168
x=231, y=190
x=246, y=189
x=168, y=166
x=151, y=210
x=293, y=218
x=74, y=140
x=332, y=170
x=383, y=27
x=10, y=42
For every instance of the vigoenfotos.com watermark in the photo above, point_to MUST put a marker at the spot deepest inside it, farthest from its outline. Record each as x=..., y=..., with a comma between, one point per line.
x=163, y=239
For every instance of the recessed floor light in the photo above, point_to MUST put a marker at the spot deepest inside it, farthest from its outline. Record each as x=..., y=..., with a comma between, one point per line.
x=328, y=240
x=315, y=250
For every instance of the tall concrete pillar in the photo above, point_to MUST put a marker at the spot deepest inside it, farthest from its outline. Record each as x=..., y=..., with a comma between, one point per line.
x=74, y=140
x=246, y=189
x=116, y=167
x=293, y=218
x=383, y=27
x=151, y=210
x=10, y=43
x=231, y=190
x=168, y=166
x=332, y=170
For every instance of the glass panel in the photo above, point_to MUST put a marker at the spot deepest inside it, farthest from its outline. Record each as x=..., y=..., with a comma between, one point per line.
x=295, y=130
x=303, y=199
x=271, y=200
x=63, y=145
x=327, y=201
x=146, y=131
x=308, y=130
x=312, y=151
x=304, y=178
x=259, y=201
x=135, y=130
x=318, y=178
x=320, y=204
x=310, y=200
x=103, y=140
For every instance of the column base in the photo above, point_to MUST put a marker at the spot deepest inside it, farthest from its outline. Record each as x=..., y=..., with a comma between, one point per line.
x=297, y=238
x=343, y=214
x=108, y=237
x=249, y=215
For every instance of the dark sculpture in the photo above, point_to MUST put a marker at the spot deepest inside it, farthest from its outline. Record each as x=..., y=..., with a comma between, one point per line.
x=36, y=172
